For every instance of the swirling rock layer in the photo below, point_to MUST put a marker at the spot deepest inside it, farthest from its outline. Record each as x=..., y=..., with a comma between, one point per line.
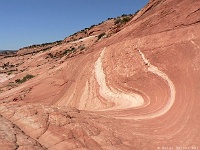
x=138, y=89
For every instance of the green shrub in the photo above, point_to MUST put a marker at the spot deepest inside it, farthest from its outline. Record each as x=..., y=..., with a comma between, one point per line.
x=92, y=26
x=101, y=35
x=51, y=55
x=69, y=50
x=117, y=21
x=126, y=19
x=29, y=76
x=18, y=81
x=66, y=51
x=26, y=78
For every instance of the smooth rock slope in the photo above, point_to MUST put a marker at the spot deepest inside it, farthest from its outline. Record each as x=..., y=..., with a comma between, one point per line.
x=137, y=89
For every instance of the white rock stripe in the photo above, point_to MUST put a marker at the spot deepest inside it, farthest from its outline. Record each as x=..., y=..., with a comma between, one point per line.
x=127, y=100
x=5, y=77
x=171, y=98
x=121, y=100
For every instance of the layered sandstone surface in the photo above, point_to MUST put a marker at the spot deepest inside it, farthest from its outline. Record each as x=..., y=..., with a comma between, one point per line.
x=137, y=89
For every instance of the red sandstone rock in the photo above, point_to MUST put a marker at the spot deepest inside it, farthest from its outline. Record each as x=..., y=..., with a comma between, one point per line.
x=138, y=89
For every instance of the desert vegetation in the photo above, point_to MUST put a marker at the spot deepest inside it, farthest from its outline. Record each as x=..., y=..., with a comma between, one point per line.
x=122, y=20
x=43, y=44
x=24, y=79
x=101, y=35
x=67, y=51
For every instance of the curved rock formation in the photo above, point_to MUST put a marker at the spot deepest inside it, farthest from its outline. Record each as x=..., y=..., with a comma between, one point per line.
x=138, y=89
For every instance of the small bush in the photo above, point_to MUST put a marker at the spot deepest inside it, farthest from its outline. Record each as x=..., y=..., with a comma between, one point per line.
x=51, y=55
x=69, y=50
x=126, y=19
x=101, y=35
x=124, y=15
x=117, y=21
x=26, y=78
x=73, y=49
x=17, y=80
x=66, y=51
x=92, y=26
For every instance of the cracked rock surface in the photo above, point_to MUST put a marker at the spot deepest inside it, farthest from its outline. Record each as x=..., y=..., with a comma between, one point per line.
x=138, y=89
x=12, y=137
x=49, y=127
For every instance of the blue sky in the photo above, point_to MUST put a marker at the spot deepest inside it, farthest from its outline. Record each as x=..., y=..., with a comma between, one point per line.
x=27, y=22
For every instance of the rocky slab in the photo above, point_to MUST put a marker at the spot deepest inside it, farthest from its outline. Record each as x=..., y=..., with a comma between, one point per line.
x=137, y=89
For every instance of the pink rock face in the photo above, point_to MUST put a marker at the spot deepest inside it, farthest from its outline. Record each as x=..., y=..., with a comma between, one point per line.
x=138, y=89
